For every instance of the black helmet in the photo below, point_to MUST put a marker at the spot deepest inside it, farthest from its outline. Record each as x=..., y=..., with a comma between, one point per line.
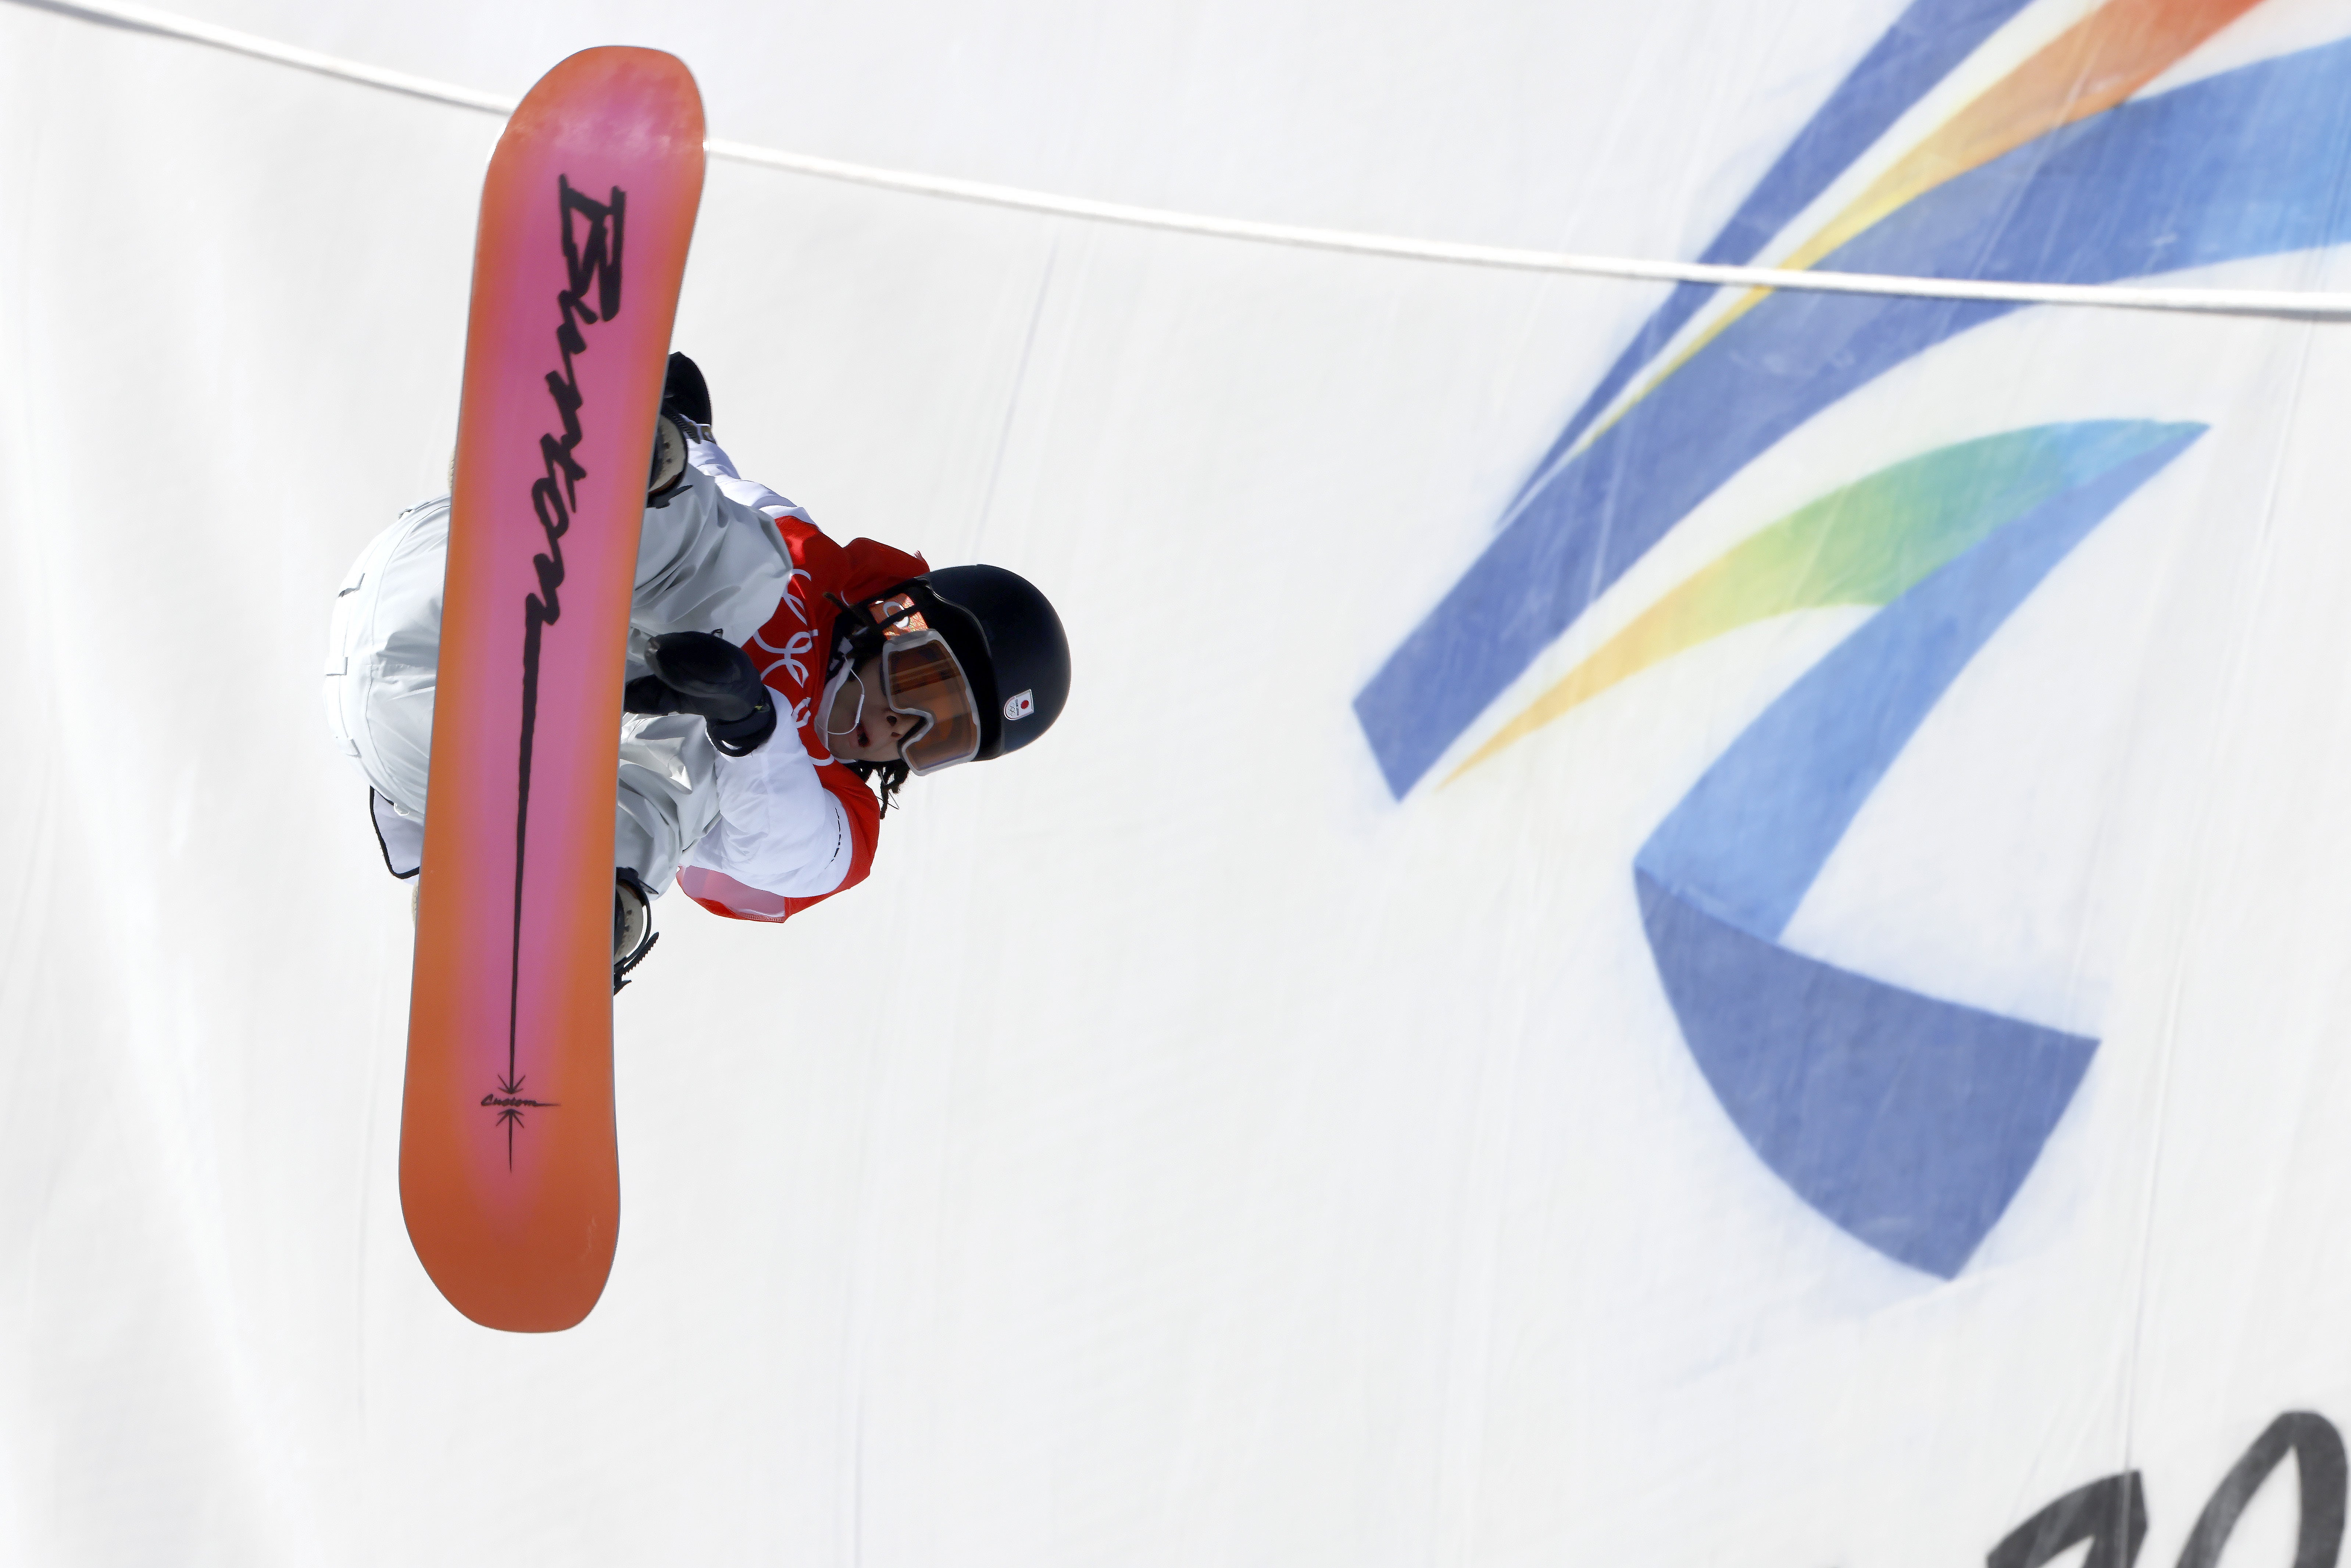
x=1003, y=633
x=1013, y=644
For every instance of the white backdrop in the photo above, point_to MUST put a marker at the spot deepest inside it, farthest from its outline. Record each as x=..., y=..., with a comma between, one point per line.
x=1278, y=1172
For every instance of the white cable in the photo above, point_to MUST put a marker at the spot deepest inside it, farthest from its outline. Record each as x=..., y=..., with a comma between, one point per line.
x=2215, y=301
x=2281, y=302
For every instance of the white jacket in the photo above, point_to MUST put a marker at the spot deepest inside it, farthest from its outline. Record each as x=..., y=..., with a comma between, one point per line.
x=710, y=560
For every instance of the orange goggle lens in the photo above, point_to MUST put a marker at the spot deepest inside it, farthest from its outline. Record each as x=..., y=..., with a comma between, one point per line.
x=920, y=676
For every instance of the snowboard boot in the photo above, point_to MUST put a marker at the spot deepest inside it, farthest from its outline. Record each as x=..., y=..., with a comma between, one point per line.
x=667, y=475
x=687, y=395
x=685, y=416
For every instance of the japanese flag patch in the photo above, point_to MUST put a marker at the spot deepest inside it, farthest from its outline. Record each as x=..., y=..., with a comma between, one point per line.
x=1020, y=704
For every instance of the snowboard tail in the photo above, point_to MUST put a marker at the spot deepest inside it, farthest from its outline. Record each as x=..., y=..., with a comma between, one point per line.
x=510, y=1173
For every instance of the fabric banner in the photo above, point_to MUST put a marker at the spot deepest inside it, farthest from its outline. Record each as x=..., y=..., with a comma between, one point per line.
x=1665, y=926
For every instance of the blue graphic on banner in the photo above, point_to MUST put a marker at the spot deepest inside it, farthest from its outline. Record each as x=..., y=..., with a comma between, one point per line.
x=1908, y=1121
x=1925, y=42
x=2244, y=164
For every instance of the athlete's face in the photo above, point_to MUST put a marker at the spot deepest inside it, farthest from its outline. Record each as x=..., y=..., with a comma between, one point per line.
x=872, y=733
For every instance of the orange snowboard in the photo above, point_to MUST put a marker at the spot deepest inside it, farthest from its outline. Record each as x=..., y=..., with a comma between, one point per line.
x=508, y=1173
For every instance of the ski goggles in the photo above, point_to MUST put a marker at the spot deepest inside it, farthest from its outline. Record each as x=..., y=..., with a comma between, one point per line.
x=922, y=678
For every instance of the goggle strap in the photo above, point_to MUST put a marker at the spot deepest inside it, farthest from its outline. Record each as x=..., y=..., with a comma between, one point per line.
x=858, y=643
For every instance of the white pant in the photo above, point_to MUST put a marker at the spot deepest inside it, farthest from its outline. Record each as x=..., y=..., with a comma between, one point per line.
x=710, y=560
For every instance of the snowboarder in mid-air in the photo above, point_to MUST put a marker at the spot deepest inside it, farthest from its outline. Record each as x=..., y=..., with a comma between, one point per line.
x=776, y=681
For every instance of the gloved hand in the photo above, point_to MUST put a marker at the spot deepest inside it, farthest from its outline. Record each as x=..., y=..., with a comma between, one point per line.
x=698, y=672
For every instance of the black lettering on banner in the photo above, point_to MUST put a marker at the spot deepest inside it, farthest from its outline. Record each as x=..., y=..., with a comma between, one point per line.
x=2318, y=1451
x=2110, y=1514
x=593, y=234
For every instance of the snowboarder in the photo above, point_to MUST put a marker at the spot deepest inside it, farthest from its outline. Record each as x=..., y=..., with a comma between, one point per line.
x=743, y=615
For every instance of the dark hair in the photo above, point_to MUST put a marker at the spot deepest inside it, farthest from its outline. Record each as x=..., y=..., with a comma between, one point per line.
x=892, y=775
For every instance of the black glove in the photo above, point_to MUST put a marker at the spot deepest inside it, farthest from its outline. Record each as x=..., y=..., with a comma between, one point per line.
x=698, y=672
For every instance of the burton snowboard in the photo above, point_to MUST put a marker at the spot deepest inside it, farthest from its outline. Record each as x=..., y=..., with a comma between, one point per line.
x=509, y=1178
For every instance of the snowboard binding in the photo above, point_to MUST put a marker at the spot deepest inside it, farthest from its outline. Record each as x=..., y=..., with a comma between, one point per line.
x=685, y=417
x=632, y=925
